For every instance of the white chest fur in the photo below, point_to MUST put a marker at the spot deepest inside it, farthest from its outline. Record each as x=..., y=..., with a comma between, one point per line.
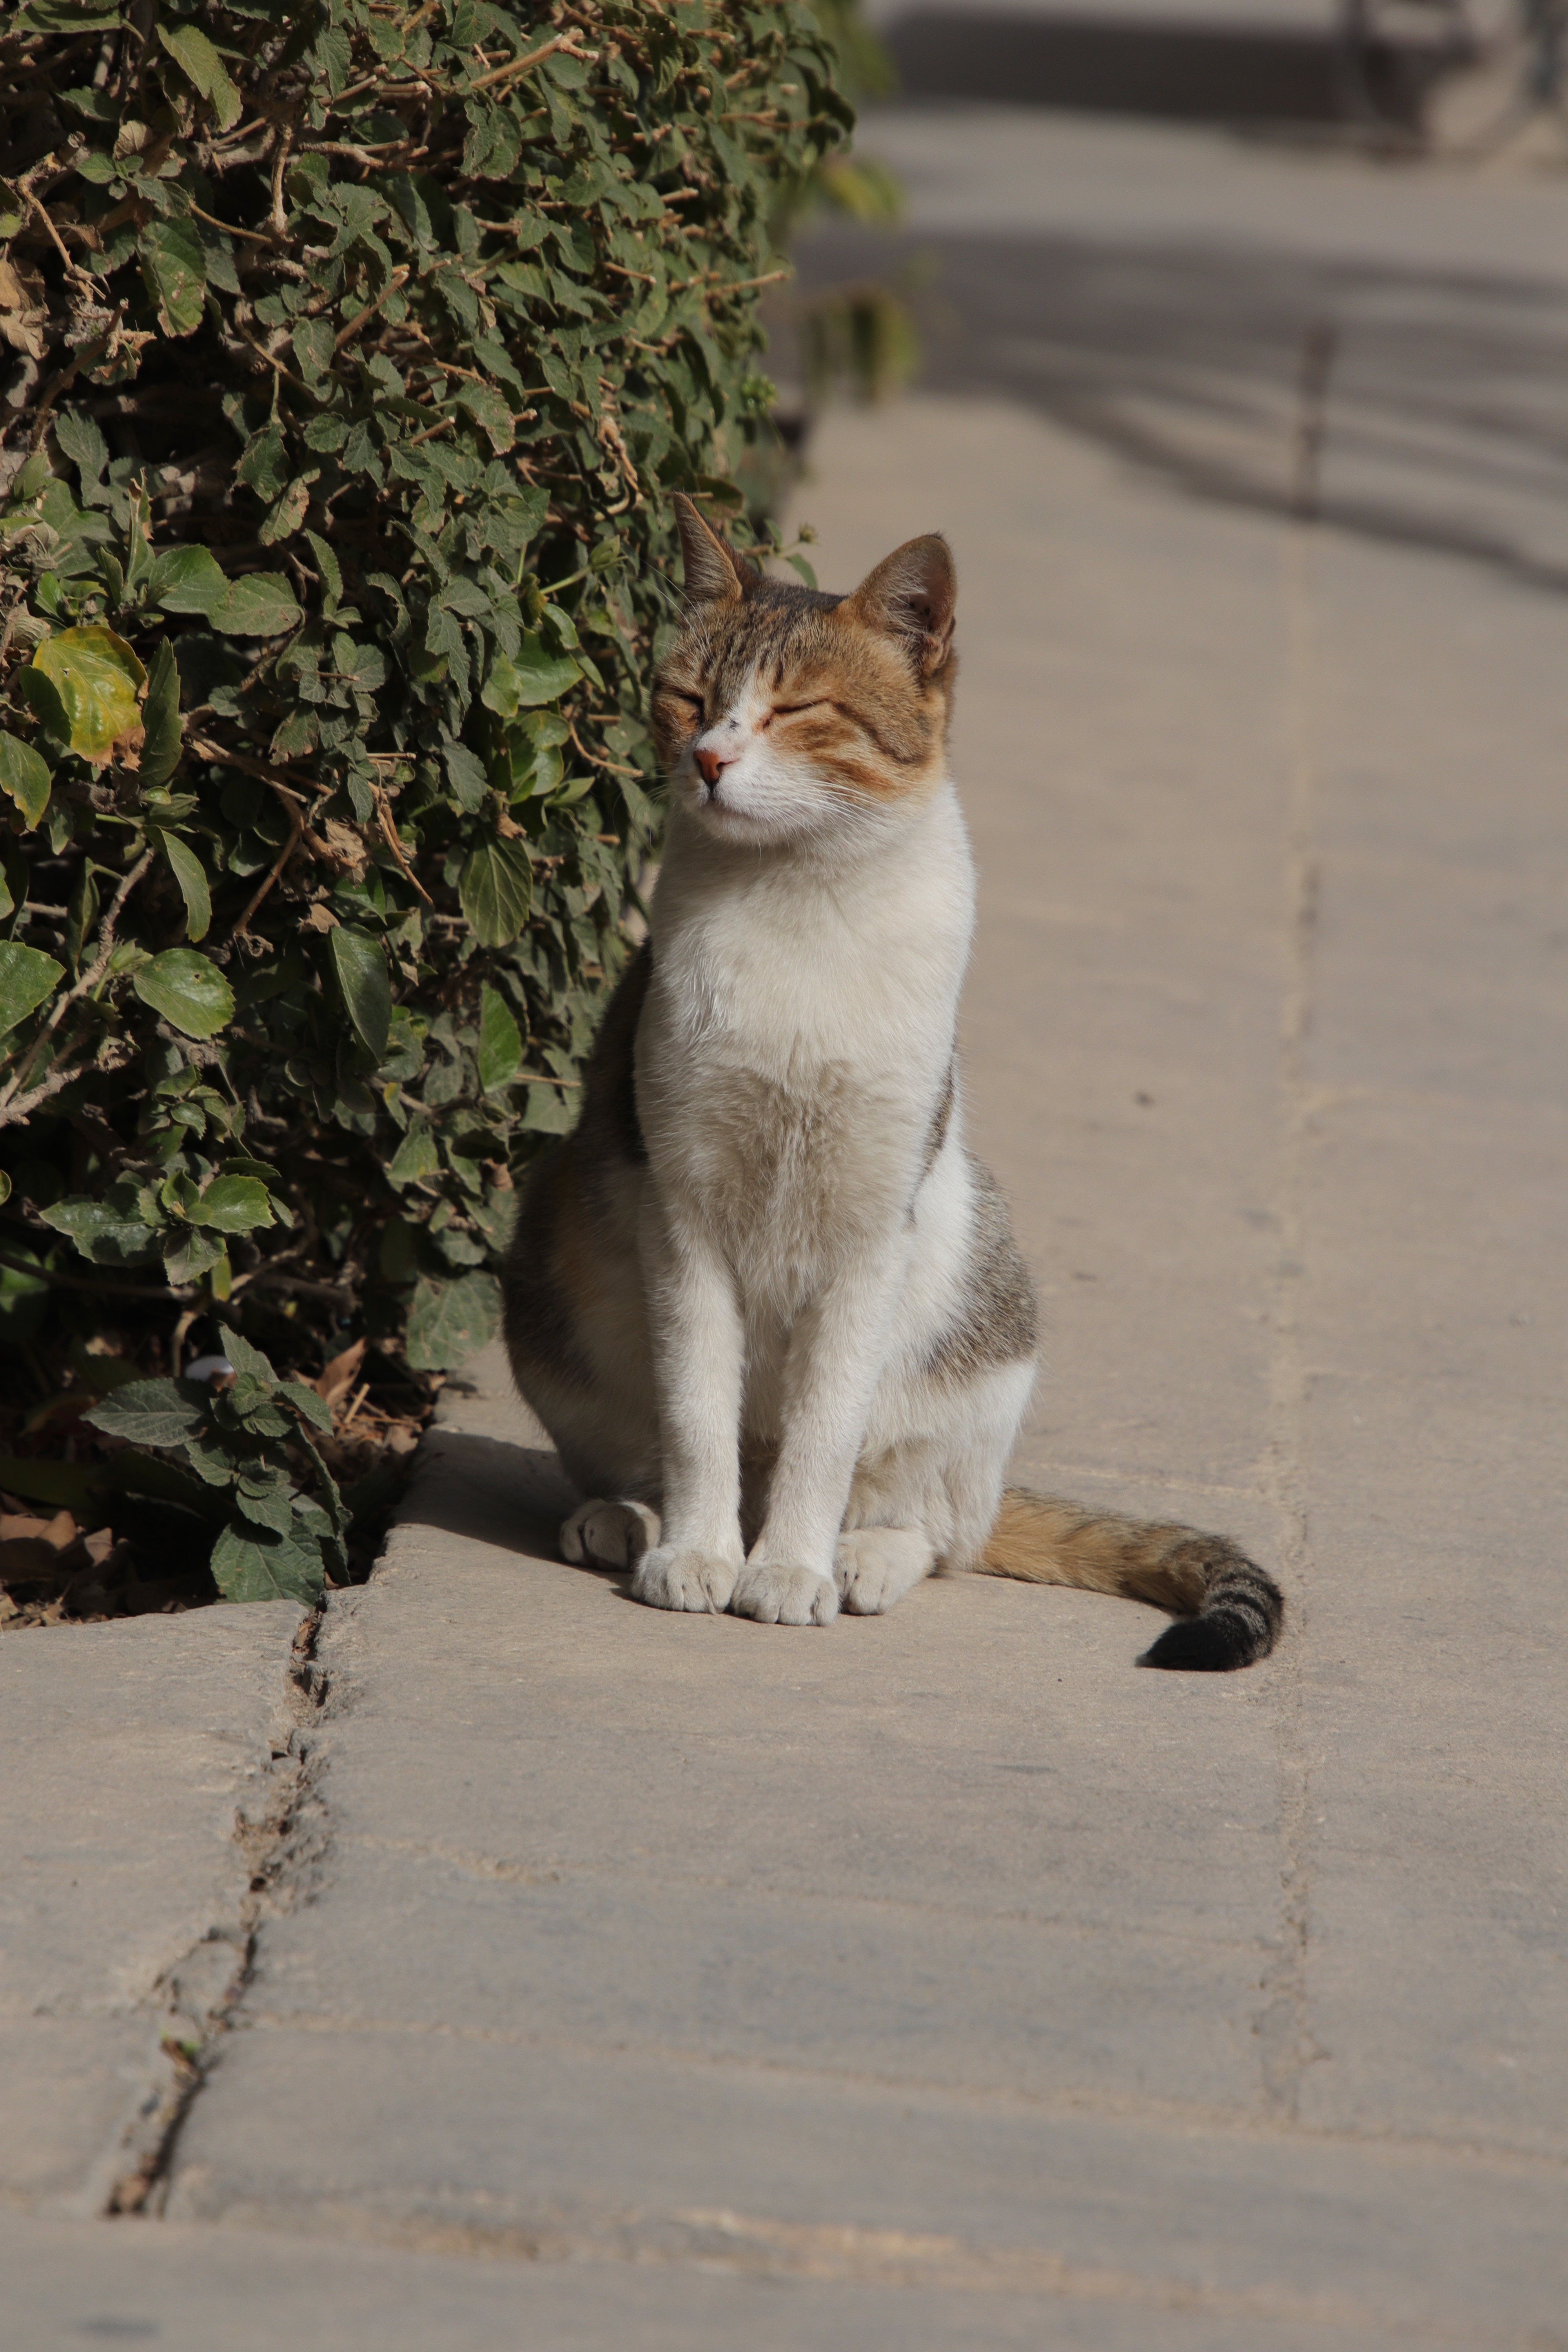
x=797, y=1033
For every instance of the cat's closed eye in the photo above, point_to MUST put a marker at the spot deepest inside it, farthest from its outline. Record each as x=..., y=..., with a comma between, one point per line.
x=790, y=710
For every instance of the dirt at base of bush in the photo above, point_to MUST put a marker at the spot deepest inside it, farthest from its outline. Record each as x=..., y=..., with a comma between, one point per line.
x=55, y=1570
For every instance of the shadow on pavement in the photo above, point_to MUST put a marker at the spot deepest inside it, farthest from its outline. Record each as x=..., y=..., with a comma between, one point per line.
x=1196, y=72
x=488, y=1490
x=1446, y=425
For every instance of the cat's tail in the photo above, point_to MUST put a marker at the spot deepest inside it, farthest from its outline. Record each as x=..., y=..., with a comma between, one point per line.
x=1229, y=1612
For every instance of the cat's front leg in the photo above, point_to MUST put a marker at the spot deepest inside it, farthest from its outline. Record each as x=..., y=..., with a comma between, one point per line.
x=699, y=1352
x=835, y=1356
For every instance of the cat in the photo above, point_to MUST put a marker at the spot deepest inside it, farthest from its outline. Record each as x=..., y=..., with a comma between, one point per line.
x=766, y=1303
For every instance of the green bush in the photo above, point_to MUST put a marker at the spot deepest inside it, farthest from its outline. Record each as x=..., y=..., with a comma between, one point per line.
x=353, y=350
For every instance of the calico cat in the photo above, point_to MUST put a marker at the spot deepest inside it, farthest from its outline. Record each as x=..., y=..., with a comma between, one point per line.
x=764, y=1300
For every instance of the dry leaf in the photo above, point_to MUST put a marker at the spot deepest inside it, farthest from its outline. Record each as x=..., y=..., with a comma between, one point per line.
x=335, y=1383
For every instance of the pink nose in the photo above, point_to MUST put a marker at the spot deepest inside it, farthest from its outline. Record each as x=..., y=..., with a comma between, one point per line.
x=709, y=764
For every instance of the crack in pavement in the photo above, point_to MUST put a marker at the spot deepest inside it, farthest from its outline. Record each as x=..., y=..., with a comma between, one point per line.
x=196, y=1998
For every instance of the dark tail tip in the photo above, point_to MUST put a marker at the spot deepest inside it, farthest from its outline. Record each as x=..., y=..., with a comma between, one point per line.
x=1216, y=1643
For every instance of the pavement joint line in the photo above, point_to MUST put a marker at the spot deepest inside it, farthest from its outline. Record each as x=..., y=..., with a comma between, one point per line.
x=1287, y=2044
x=763, y=2247
x=1183, y=2118
x=130, y=2177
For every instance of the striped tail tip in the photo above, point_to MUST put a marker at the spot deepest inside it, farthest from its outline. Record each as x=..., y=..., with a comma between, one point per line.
x=1217, y=1643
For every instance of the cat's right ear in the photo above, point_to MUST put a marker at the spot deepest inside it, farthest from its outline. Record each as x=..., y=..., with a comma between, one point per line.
x=714, y=573
x=912, y=594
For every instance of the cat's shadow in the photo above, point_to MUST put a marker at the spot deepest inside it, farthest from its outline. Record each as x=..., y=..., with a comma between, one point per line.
x=488, y=1490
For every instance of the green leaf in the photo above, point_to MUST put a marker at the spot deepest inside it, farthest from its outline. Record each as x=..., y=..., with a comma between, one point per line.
x=27, y=977
x=495, y=891
x=490, y=412
x=260, y=605
x=151, y=1413
x=175, y=267
x=248, y=1361
x=25, y=777
x=192, y=1255
x=415, y=1156
x=187, y=580
x=104, y=1236
x=69, y=16
x=186, y=868
x=530, y=678
x=332, y=574
x=99, y=681
x=43, y=699
x=249, y=1564
x=450, y=1322
x=160, y=718
x=233, y=1204
x=188, y=990
x=66, y=1486
x=360, y=963
x=501, y=1043
x=305, y=1400
x=201, y=63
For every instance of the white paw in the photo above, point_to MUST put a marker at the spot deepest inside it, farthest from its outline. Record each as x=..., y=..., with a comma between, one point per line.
x=668, y=1579
x=608, y=1535
x=873, y=1567
x=785, y=1596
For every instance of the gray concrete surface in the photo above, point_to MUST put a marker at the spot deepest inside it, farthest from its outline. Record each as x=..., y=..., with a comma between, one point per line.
x=132, y=1752
x=941, y=1979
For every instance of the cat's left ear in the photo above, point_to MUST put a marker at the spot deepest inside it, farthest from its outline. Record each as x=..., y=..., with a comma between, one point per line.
x=913, y=595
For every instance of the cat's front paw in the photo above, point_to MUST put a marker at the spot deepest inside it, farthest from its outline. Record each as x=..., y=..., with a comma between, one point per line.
x=667, y=1578
x=873, y=1567
x=785, y=1596
x=608, y=1535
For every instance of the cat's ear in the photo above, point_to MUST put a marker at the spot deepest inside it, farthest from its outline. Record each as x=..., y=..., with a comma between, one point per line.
x=913, y=595
x=715, y=574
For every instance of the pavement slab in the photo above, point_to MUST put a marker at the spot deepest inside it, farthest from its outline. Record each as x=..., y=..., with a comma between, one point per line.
x=942, y=1979
x=135, y=1750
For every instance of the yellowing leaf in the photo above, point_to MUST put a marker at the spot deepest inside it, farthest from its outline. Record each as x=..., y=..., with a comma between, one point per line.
x=99, y=681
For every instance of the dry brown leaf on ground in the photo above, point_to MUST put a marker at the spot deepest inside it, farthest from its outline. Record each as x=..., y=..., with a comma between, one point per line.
x=332, y=1384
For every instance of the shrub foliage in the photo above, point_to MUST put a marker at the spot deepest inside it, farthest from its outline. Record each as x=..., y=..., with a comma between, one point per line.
x=353, y=348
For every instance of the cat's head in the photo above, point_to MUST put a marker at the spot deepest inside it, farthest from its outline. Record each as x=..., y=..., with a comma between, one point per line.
x=782, y=714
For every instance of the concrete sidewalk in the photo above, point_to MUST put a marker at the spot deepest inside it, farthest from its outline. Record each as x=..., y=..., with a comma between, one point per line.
x=941, y=1979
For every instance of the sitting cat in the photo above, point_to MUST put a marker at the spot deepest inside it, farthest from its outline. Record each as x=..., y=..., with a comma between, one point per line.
x=764, y=1300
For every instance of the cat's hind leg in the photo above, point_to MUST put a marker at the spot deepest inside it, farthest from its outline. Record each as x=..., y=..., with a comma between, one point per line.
x=873, y=1567
x=608, y=1534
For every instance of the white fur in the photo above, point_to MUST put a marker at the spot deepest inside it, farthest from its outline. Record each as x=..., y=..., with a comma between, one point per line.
x=809, y=952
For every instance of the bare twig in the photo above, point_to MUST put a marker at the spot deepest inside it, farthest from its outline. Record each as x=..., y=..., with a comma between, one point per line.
x=74, y=271
x=563, y=41
x=614, y=766
x=398, y=279
x=389, y=834
x=230, y=228
x=18, y=1107
x=62, y=382
x=296, y=827
x=84, y=1282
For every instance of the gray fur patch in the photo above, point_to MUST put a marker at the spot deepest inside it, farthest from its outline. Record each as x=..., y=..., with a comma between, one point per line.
x=1000, y=1324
